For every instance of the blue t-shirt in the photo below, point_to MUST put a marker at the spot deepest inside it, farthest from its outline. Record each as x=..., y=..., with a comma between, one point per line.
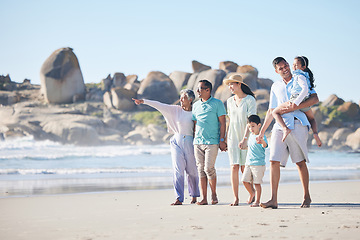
x=256, y=153
x=206, y=114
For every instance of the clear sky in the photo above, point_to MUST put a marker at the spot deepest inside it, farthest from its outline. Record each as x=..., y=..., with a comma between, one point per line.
x=136, y=37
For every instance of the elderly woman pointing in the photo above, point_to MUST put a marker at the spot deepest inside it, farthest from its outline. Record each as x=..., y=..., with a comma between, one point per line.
x=179, y=122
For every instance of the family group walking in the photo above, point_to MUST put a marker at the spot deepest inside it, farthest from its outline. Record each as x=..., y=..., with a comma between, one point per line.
x=200, y=130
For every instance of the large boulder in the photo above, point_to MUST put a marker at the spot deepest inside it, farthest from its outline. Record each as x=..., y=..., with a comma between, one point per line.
x=6, y=83
x=264, y=83
x=324, y=136
x=158, y=86
x=73, y=129
x=250, y=76
x=332, y=100
x=9, y=98
x=119, y=80
x=106, y=83
x=342, y=133
x=199, y=67
x=215, y=76
x=179, y=79
x=353, y=140
x=121, y=99
x=337, y=142
x=350, y=109
x=107, y=99
x=262, y=105
x=228, y=66
x=319, y=117
x=132, y=83
x=61, y=77
x=262, y=94
x=223, y=93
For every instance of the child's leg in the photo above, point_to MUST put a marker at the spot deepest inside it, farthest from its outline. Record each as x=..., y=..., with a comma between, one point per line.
x=310, y=116
x=258, y=196
x=249, y=188
x=276, y=114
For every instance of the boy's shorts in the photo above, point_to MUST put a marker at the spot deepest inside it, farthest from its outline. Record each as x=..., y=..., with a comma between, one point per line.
x=253, y=174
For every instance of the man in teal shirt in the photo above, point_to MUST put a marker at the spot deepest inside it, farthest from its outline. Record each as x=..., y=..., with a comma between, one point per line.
x=210, y=126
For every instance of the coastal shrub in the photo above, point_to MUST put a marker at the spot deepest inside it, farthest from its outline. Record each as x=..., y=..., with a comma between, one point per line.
x=327, y=110
x=98, y=114
x=333, y=114
x=149, y=117
x=92, y=85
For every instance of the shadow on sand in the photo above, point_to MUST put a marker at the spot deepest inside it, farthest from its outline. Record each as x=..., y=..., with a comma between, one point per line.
x=337, y=205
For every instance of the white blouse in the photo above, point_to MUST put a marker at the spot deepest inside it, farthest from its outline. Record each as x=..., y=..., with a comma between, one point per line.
x=177, y=119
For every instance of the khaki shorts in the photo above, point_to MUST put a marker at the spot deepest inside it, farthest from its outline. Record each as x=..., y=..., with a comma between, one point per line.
x=253, y=174
x=295, y=145
x=205, y=156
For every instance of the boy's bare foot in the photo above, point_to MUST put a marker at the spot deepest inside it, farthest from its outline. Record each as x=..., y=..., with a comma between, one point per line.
x=306, y=203
x=251, y=199
x=177, y=202
x=255, y=205
x=286, y=132
x=270, y=204
x=193, y=200
x=317, y=139
x=214, y=200
x=235, y=203
x=202, y=202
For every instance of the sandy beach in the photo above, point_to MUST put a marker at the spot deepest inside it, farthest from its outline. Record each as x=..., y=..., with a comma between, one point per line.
x=334, y=214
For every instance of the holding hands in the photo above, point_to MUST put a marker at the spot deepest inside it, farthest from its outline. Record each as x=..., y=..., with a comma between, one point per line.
x=260, y=138
x=223, y=146
x=243, y=144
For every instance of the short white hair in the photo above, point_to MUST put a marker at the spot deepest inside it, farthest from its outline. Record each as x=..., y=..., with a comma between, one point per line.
x=189, y=93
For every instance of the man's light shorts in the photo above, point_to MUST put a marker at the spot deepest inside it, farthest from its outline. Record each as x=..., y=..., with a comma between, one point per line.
x=253, y=174
x=295, y=145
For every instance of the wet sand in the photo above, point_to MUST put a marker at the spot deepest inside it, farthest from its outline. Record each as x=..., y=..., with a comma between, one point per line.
x=334, y=214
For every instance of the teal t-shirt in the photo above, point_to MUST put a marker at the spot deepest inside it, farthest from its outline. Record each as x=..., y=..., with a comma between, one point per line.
x=256, y=153
x=206, y=114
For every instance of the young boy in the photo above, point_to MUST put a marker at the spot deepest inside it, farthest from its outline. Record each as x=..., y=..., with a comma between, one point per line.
x=255, y=161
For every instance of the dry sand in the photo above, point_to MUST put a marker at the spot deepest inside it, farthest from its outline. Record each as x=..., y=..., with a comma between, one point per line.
x=334, y=214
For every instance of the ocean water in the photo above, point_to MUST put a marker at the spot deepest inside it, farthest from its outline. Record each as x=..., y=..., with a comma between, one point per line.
x=29, y=167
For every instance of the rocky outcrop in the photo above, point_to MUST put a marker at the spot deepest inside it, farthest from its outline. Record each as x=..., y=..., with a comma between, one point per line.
x=106, y=83
x=350, y=110
x=158, y=86
x=215, y=76
x=332, y=100
x=132, y=83
x=122, y=99
x=223, y=93
x=353, y=140
x=108, y=116
x=6, y=83
x=9, y=98
x=151, y=134
x=250, y=76
x=179, y=79
x=264, y=83
x=61, y=77
x=119, y=80
x=228, y=66
x=199, y=67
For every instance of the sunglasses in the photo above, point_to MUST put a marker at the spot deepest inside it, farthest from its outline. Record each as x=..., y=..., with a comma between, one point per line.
x=201, y=88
